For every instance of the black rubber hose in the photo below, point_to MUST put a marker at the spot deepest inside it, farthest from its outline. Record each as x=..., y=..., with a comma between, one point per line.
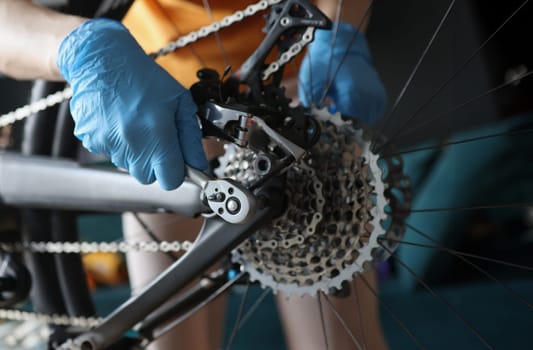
x=37, y=140
x=70, y=272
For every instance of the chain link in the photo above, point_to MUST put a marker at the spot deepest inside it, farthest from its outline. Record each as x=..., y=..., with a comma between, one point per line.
x=96, y=247
x=80, y=248
x=59, y=320
x=288, y=55
x=34, y=107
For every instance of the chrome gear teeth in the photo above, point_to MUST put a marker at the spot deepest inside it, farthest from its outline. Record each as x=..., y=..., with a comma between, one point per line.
x=254, y=254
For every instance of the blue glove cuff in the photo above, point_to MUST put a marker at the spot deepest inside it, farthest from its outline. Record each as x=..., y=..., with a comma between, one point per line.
x=344, y=41
x=87, y=39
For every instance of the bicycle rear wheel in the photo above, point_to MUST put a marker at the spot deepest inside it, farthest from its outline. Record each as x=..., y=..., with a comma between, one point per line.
x=441, y=190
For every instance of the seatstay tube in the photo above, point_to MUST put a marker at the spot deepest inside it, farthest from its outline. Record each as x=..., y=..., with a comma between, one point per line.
x=41, y=182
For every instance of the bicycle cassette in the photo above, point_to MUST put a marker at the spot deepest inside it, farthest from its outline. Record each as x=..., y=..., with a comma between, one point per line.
x=335, y=213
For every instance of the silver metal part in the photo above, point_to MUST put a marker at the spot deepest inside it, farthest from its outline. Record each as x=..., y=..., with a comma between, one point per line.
x=41, y=182
x=60, y=320
x=230, y=200
x=335, y=214
x=296, y=151
x=262, y=165
x=227, y=199
x=220, y=116
x=34, y=107
x=96, y=247
x=197, y=177
x=289, y=54
x=242, y=137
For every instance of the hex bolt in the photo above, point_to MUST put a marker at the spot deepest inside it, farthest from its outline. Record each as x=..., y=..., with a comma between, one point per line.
x=233, y=205
x=285, y=21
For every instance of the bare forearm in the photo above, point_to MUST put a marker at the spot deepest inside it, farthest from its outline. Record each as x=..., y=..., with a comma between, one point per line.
x=30, y=38
x=352, y=11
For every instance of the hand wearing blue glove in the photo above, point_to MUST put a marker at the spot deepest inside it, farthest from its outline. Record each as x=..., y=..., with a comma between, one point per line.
x=127, y=107
x=356, y=89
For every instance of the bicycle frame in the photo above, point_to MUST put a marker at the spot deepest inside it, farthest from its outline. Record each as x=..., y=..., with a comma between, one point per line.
x=40, y=182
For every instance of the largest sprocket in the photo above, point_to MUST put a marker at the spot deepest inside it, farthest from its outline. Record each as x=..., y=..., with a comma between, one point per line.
x=335, y=217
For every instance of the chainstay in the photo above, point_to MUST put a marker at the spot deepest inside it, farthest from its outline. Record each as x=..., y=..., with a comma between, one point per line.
x=63, y=95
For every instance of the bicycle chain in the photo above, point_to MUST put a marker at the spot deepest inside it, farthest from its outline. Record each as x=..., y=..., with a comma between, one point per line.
x=58, y=320
x=95, y=247
x=288, y=55
x=80, y=248
x=61, y=96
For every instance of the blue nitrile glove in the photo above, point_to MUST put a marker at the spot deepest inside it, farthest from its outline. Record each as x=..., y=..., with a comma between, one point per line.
x=127, y=107
x=356, y=90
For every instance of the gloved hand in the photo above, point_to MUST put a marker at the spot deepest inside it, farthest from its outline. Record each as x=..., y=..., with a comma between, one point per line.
x=356, y=89
x=127, y=107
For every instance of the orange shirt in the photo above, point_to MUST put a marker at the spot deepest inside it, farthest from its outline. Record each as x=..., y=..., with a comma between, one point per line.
x=154, y=23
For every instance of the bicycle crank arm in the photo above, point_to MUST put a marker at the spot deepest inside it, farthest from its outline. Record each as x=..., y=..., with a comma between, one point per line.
x=39, y=182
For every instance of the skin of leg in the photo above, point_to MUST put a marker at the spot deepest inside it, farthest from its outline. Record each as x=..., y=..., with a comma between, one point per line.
x=303, y=326
x=203, y=330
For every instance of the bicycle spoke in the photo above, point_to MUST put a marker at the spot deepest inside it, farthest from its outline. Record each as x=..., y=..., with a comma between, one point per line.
x=468, y=102
x=389, y=310
x=191, y=312
x=469, y=255
x=475, y=266
x=305, y=91
x=452, y=143
x=310, y=73
x=453, y=76
x=480, y=207
x=3, y=267
x=342, y=322
x=340, y=3
x=254, y=307
x=322, y=322
x=416, y=67
x=343, y=58
x=239, y=316
x=450, y=307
